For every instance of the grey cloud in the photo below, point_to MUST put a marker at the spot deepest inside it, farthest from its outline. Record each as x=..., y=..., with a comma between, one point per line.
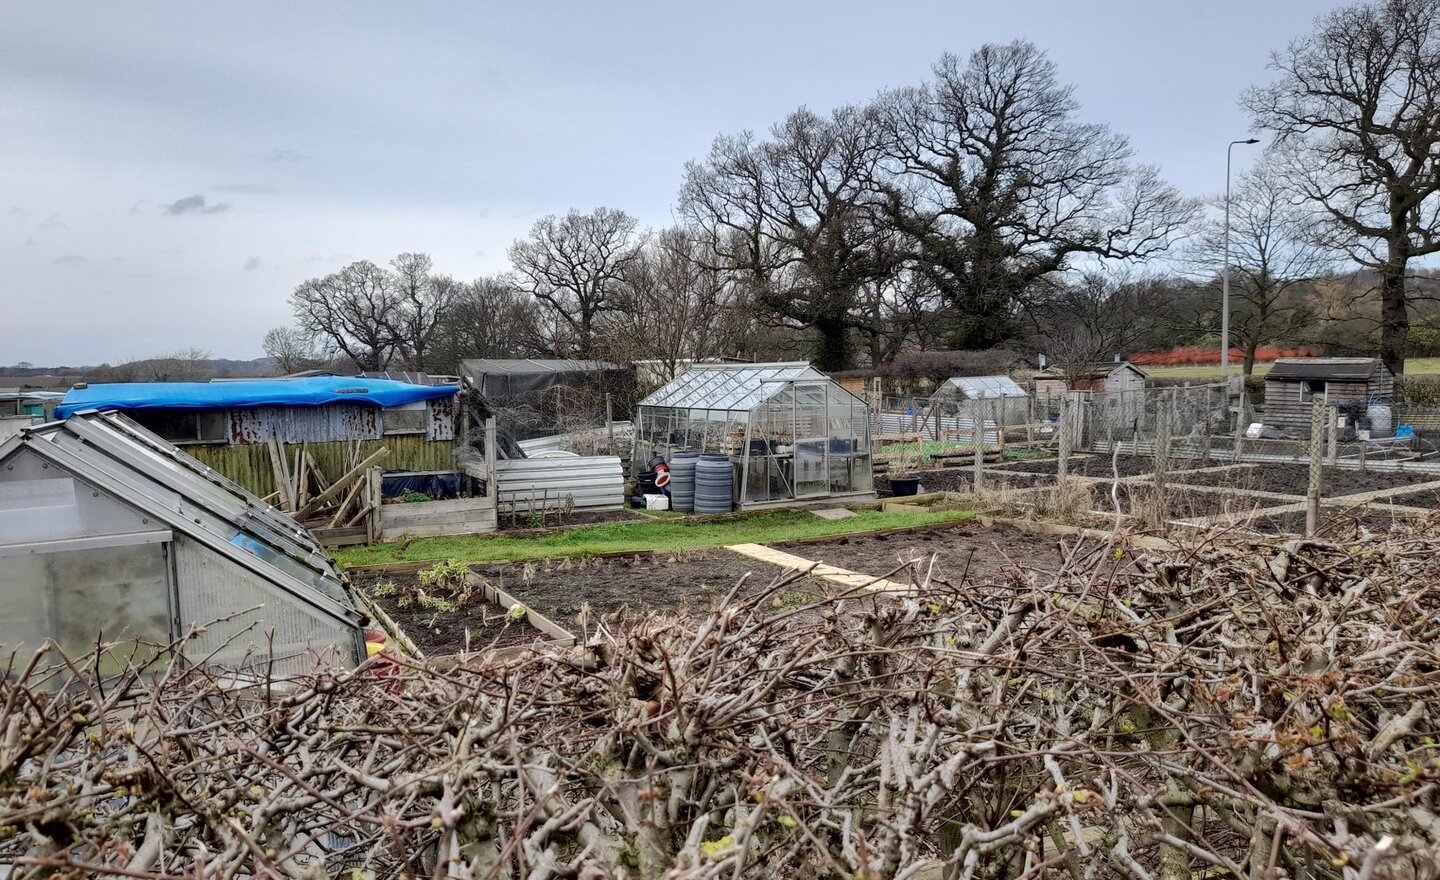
x=18, y=211
x=279, y=155
x=52, y=222
x=194, y=205
x=255, y=189
x=30, y=241
x=68, y=260
x=251, y=264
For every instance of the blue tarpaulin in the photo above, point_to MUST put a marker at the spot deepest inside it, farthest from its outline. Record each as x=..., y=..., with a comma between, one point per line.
x=243, y=394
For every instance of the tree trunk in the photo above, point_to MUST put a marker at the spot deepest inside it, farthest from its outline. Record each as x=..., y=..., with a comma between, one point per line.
x=833, y=350
x=1394, y=312
x=1250, y=357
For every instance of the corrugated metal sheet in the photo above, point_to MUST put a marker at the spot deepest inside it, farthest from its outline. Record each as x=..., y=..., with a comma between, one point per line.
x=304, y=424
x=440, y=425
x=595, y=482
x=579, y=441
x=908, y=423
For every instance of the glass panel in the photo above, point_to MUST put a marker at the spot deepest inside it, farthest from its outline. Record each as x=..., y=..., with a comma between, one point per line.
x=76, y=597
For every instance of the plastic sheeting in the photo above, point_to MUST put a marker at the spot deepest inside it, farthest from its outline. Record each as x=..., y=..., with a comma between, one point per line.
x=440, y=487
x=309, y=391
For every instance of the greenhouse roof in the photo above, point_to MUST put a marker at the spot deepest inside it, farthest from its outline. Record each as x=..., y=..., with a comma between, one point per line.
x=729, y=386
x=982, y=386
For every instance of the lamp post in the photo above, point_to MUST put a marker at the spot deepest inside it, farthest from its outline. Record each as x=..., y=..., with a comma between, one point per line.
x=1225, y=273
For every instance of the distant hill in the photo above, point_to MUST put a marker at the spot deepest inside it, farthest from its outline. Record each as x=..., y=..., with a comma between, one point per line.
x=161, y=369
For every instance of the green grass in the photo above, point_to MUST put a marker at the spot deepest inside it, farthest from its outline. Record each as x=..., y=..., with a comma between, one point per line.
x=1024, y=453
x=1202, y=371
x=779, y=525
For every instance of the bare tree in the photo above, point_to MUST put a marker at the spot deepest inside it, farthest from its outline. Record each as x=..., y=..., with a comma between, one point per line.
x=423, y=299
x=489, y=317
x=998, y=185
x=794, y=218
x=355, y=310
x=1354, y=112
x=181, y=365
x=575, y=265
x=1099, y=315
x=1274, y=256
x=675, y=305
x=292, y=350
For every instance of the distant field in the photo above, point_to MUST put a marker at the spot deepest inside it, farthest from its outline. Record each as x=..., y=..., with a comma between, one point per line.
x=1413, y=367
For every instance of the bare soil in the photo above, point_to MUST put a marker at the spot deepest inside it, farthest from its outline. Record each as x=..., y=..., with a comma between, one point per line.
x=662, y=582
x=476, y=627
x=1427, y=498
x=1336, y=523
x=1087, y=466
x=1294, y=479
x=966, y=551
x=1140, y=499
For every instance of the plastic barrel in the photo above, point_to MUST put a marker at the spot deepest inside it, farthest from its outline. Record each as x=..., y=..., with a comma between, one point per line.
x=682, y=480
x=1379, y=416
x=713, y=478
x=646, y=483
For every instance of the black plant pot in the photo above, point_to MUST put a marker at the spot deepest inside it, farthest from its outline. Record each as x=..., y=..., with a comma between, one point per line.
x=904, y=485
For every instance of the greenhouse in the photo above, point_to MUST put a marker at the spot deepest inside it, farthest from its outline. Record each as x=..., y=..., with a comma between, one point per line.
x=106, y=530
x=1005, y=403
x=789, y=431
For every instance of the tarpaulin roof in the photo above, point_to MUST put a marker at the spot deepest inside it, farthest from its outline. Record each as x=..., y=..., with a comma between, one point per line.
x=310, y=391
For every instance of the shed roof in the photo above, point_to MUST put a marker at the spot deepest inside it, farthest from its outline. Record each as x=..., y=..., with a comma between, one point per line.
x=520, y=366
x=981, y=386
x=138, y=467
x=729, y=386
x=246, y=394
x=1341, y=369
x=1098, y=370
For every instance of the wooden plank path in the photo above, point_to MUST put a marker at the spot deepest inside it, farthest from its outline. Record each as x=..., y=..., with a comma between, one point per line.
x=819, y=569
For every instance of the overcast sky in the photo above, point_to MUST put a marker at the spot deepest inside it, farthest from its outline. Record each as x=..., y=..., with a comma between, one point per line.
x=170, y=171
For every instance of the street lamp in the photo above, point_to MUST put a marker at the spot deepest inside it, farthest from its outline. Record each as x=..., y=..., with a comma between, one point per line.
x=1225, y=273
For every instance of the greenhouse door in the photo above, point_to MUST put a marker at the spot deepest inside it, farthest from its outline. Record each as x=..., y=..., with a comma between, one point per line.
x=812, y=441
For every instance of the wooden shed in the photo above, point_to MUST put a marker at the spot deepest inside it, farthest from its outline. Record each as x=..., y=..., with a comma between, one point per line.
x=1351, y=384
x=1054, y=381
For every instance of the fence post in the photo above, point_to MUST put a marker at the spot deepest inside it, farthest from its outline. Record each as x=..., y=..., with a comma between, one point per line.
x=1063, y=426
x=1332, y=434
x=610, y=421
x=1240, y=426
x=1317, y=451
x=977, y=438
x=1162, y=442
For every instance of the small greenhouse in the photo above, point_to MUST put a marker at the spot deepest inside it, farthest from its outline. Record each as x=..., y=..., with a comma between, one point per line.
x=790, y=432
x=999, y=398
x=109, y=532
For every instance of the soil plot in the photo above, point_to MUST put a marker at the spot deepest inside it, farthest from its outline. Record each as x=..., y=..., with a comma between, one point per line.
x=972, y=551
x=1294, y=479
x=440, y=621
x=1092, y=466
x=663, y=582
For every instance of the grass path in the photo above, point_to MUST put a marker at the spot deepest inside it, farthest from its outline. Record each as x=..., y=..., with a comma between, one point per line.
x=619, y=537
